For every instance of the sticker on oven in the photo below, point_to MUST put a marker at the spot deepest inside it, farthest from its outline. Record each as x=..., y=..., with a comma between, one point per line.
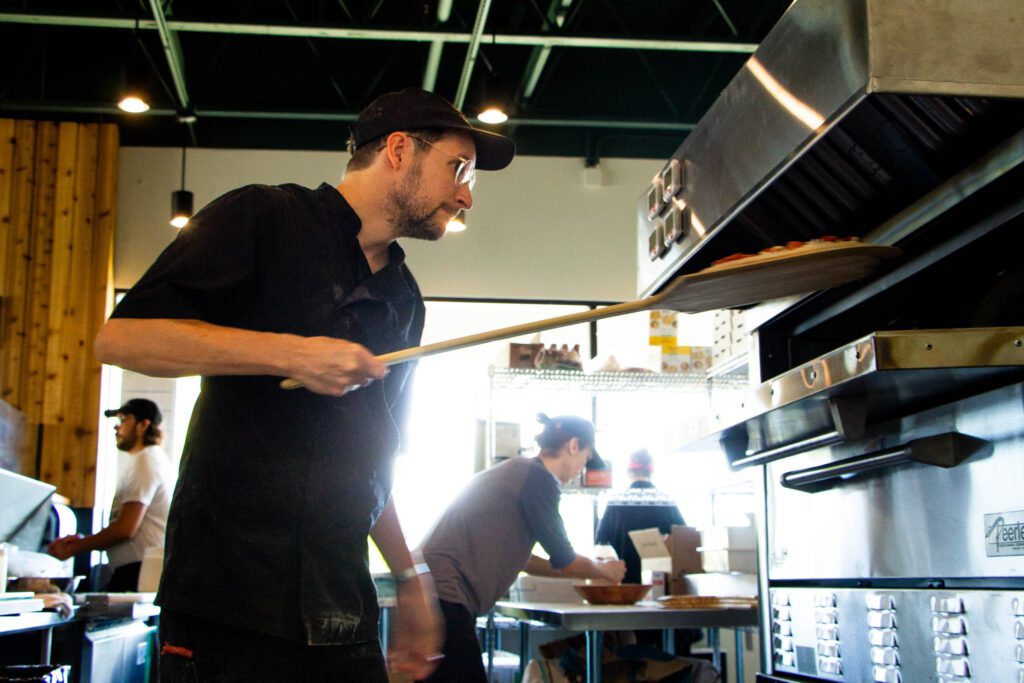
x=1004, y=533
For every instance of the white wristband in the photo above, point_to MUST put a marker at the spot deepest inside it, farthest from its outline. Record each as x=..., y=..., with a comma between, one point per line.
x=410, y=573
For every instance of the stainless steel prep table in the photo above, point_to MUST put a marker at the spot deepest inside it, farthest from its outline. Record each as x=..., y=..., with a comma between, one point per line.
x=593, y=620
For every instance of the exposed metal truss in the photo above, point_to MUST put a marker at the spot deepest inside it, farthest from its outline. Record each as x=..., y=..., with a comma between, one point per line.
x=243, y=70
x=344, y=33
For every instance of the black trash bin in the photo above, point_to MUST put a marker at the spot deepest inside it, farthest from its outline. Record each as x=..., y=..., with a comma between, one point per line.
x=35, y=673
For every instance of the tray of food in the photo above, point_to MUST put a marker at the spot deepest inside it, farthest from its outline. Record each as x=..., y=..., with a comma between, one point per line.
x=707, y=602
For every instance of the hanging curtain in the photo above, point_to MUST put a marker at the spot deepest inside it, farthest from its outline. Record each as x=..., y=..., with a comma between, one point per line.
x=58, y=199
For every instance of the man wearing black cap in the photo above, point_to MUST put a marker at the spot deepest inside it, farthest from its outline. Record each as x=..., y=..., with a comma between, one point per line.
x=271, y=583
x=138, y=515
x=486, y=537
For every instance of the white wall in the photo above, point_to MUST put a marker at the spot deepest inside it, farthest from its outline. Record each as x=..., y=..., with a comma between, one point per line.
x=536, y=231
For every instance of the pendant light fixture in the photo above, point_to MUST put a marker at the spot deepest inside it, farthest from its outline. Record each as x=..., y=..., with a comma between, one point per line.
x=133, y=101
x=495, y=99
x=181, y=200
x=133, y=105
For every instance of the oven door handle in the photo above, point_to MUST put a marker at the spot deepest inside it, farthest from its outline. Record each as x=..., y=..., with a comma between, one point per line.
x=941, y=450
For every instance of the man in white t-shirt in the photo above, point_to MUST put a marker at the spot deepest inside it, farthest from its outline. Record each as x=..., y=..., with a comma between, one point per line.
x=138, y=514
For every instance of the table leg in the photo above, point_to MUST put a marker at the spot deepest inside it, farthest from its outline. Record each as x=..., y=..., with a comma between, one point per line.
x=489, y=637
x=383, y=627
x=668, y=640
x=524, y=648
x=739, y=655
x=45, y=646
x=594, y=656
x=716, y=648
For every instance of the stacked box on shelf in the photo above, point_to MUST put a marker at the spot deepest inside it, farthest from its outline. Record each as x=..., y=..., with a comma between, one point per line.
x=731, y=337
x=739, y=339
x=721, y=344
x=675, y=358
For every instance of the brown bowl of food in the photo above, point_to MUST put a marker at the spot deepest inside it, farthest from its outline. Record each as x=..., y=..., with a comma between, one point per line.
x=623, y=594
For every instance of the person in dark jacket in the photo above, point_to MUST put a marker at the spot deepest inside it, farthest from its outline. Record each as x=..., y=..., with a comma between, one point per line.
x=265, y=569
x=641, y=507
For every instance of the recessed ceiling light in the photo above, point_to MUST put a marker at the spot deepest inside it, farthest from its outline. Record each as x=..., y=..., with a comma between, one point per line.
x=493, y=115
x=133, y=105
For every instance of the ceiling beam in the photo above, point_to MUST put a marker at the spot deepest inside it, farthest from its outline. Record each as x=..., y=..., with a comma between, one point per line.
x=444, y=11
x=471, y=52
x=109, y=109
x=725, y=16
x=539, y=55
x=172, y=50
x=291, y=31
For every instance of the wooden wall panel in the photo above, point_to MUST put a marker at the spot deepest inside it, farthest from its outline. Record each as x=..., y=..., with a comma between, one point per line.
x=60, y=198
x=6, y=176
x=38, y=302
x=19, y=248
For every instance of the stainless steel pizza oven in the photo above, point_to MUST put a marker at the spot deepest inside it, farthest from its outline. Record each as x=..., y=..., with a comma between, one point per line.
x=886, y=416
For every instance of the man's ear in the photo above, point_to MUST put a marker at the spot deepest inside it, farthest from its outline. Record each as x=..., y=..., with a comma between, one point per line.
x=397, y=147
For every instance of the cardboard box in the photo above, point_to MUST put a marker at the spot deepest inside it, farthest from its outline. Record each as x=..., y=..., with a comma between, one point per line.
x=728, y=561
x=728, y=538
x=658, y=581
x=678, y=555
x=523, y=355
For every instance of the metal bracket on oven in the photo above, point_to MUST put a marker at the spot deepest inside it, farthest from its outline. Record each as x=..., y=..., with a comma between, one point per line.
x=941, y=450
x=849, y=418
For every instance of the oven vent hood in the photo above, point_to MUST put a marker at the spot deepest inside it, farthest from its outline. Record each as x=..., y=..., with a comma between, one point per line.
x=882, y=376
x=849, y=111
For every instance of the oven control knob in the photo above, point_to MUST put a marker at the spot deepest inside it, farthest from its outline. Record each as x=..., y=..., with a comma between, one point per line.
x=655, y=202
x=886, y=674
x=656, y=241
x=947, y=604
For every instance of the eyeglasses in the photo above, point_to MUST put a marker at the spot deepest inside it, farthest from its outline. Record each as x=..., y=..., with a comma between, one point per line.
x=465, y=172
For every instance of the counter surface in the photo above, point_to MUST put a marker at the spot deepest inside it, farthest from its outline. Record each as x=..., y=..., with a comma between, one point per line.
x=643, y=615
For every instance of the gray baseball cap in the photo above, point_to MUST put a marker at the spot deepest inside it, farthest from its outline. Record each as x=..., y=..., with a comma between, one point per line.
x=569, y=426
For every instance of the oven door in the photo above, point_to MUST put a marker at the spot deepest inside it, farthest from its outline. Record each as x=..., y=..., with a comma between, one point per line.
x=875, y=509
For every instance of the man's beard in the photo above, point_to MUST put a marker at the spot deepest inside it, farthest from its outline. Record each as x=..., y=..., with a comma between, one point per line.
x=410, y=216
x=128, y=442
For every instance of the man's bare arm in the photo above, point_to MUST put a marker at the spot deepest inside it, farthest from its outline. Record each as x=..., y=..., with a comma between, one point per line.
x=177, y=348
x=580, y=568
x=121, y=529
x=418, y=636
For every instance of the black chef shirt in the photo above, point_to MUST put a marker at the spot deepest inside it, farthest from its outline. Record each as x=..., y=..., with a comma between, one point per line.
x=623, y=515
x=279, y=489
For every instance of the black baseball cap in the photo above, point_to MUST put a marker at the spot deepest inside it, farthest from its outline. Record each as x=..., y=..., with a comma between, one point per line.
x=570, y=426
x=414, y=108
x=141, y=408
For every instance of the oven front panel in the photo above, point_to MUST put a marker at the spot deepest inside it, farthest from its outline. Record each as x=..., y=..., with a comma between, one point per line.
x=914, y=636
x=910, y=521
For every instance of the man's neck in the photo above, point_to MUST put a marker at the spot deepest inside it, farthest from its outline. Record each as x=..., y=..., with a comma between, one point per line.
x=558, y=468
x=375, y=233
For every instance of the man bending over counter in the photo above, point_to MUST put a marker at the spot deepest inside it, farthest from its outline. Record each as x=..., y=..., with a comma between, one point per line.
x=486, y=537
